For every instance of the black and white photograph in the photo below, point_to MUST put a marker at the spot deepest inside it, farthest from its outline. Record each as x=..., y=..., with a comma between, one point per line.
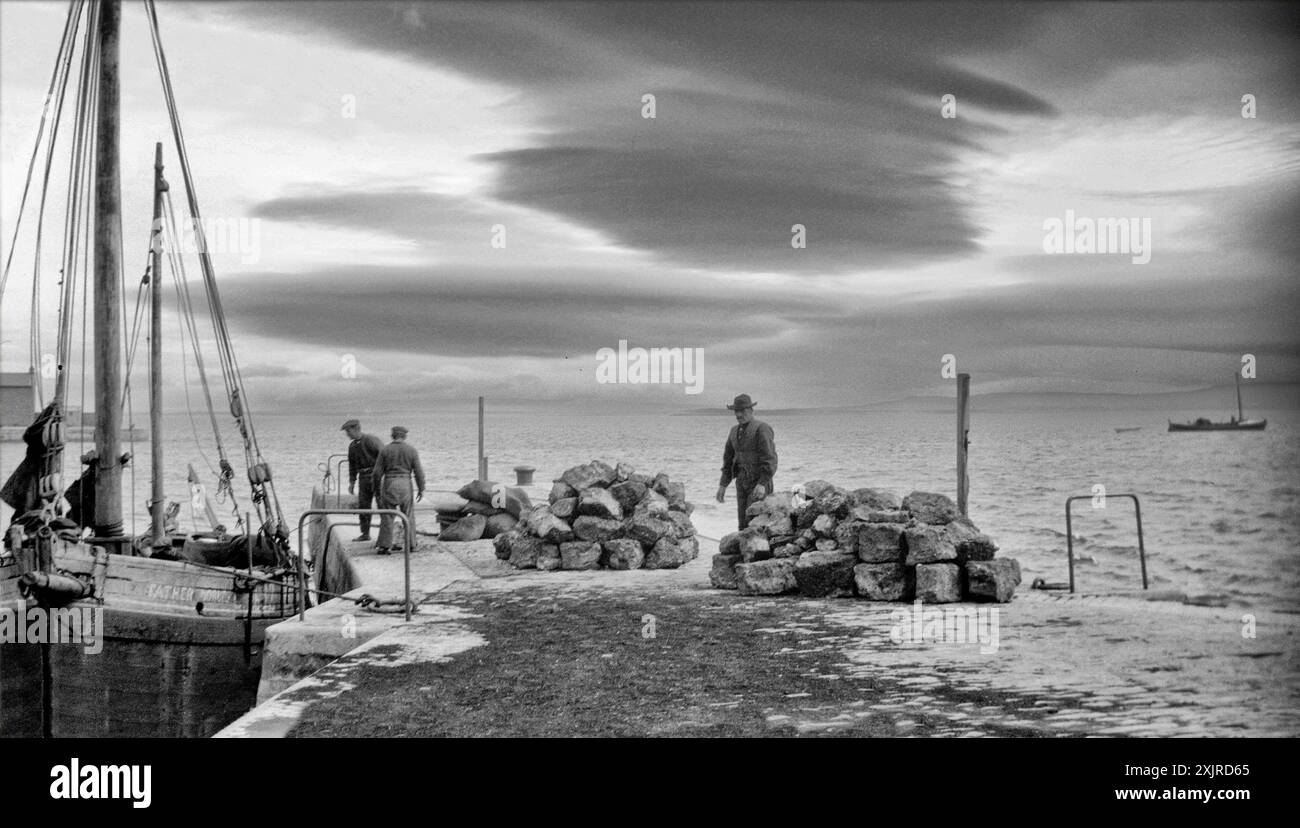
x=643, y=370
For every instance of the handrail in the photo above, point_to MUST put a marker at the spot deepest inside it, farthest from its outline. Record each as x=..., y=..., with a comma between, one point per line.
x=1069, y=534
x=338, y=493
x=406, y=549
x=339, y=476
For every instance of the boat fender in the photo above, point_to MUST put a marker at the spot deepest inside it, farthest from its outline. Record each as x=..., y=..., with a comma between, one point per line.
x=259, y=473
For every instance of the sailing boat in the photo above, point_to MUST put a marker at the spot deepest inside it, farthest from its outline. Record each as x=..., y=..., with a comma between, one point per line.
x=176, y=621
x=1238, y=423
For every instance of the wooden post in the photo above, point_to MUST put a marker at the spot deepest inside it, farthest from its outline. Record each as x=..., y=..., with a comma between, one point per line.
x=482, y=460
x=108, y=279
x=963, y=439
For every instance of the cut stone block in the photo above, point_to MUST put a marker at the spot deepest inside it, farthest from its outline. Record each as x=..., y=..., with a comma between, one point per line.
x=524, y=552
x=877, y=499
x=579, y=555
x=881, y=543
x=928, y=507
x=548, y=558
x=928, y=544
x=938, y=583
x=825, y=574
x=564, y=507
x=994, y=580
x=598, y=529
x=647, y=529
x=774, y=577
x=561, y=490
x=628, y=494
x=723, y=573
x=550, y=528
x=502, y=543
x=666, y=554
x=846, y=535
x=753, y=546
x=824, y=525
x=883, y=581
x=623, y=553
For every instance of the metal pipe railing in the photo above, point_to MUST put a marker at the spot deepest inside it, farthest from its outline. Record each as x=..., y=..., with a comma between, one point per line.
x=338, y=477
x=1069, y=534
x=338, y=498
x=407, y=522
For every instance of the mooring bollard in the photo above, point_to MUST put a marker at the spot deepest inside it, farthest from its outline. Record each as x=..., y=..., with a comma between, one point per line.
x=524, y=475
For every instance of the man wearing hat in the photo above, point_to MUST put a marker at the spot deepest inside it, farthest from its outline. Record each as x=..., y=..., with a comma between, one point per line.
x=396, y=463
x=362, y=453
x=749, y=458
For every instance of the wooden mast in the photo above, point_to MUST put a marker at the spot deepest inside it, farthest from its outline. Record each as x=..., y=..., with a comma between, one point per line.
x=108, y=278
x=156, y=501
x=1236, y=375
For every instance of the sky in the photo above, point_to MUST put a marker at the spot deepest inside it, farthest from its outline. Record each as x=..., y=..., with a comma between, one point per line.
x=445, y=200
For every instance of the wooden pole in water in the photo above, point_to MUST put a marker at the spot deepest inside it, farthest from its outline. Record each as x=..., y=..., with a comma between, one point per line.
x=482, y=461
x=108, y=280
x=155, y=353
x=963, y=439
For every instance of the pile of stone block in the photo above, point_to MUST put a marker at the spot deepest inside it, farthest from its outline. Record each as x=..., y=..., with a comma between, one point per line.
x=826, y=541
x=603, y=516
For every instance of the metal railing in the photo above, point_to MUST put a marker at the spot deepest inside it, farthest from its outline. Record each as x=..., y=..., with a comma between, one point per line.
x=407, y=522
x=337, y=480
x=1069, y=534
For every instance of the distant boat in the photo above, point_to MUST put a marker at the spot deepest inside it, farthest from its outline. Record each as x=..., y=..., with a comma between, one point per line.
x=1130, y=428
x=1238, y=423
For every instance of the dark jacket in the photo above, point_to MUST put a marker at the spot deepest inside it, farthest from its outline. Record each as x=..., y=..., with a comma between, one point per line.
x=749, y=458
x=362, y=454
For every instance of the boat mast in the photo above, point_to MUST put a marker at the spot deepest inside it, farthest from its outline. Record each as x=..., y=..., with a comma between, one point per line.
x=107, y=293
x=1237, y=376
x=155, y=351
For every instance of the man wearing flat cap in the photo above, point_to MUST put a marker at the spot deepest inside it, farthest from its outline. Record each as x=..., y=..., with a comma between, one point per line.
x=396, y=463
x=749, y=458
x=362, y=453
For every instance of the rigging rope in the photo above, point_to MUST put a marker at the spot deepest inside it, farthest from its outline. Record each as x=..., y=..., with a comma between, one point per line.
x=62, y=66
x=225, y=490
x=265, y=499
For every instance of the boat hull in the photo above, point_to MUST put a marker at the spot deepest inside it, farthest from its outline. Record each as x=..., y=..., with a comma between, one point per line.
x=20, y=697
x=177, y=653
x=1239, y=425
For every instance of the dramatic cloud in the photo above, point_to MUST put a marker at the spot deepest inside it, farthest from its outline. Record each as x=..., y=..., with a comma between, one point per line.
x=464, y=196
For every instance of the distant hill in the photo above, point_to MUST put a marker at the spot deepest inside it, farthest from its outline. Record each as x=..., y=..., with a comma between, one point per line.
x=1210, y=401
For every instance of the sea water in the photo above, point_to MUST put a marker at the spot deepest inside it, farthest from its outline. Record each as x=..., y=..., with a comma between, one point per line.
x=1220, y=510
